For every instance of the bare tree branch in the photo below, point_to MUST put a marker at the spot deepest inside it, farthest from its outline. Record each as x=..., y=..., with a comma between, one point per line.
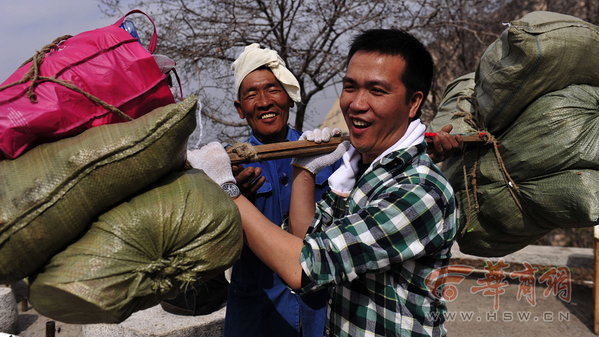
x=313, y=37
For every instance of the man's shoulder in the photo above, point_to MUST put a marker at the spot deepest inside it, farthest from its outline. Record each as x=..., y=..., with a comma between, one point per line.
x=403, y=159
x=413, y=165
x=424, y=166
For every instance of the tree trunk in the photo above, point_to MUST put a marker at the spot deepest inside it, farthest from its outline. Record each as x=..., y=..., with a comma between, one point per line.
x=299, y=118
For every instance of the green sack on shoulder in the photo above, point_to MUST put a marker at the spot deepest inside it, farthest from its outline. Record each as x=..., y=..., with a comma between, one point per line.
x=551, y=153
x=52, y=193
x=179, y=233
x=540, y=53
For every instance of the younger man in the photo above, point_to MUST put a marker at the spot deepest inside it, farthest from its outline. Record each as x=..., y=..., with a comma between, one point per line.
x=390, y=217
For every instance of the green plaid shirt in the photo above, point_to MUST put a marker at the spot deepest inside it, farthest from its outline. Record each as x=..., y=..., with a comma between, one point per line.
x=375, y=248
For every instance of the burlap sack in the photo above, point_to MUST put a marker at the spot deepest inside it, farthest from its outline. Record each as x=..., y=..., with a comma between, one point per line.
x=551, y=153
x=176, y=235
x=52, y=193
x=540, y=53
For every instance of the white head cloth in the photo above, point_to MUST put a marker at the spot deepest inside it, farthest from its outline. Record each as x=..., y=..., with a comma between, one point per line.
x=254, y=57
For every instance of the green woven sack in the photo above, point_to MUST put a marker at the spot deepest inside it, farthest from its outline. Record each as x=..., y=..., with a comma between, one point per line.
x=52, y=193
x=456, y=98
x=538, y=54
x=551, y=153
x=177, y=234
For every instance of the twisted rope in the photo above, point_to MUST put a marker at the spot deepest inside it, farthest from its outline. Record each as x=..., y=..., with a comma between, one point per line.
x=245, y=151
x=476, y=122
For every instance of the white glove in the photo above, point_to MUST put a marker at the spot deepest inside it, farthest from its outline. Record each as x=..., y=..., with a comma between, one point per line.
x=316, y=163
x=318, y=136
x=214, y=161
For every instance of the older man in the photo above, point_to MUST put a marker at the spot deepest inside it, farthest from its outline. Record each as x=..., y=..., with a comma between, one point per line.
x=390, y=217
x=259, y=303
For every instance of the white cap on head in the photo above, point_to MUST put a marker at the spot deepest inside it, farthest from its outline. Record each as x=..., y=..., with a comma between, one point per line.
x=254, y=57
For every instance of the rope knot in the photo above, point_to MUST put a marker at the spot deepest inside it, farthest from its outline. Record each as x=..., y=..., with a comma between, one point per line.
x=245, y=151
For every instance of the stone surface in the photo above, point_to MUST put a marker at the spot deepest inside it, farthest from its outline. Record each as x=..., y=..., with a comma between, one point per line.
x=155, y=322
x=470, y=314
x=474, y=314
x=9, y=314
x=540, y=255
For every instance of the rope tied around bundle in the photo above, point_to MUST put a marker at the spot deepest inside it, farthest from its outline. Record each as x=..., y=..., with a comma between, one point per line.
x=33, y=75
x=245, y=151
x=475, y=121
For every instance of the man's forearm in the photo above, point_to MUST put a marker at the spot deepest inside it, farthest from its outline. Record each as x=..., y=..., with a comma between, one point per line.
x=279, y=250
x=302, y=204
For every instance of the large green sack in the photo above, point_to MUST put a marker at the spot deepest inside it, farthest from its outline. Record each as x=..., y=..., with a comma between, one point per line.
x=540, y=53
x=176, y=235
x=52, y=193
x=551, y=153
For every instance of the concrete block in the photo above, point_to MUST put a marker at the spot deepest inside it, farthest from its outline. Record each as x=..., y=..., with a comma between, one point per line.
x=155, y=322
x=9, y=314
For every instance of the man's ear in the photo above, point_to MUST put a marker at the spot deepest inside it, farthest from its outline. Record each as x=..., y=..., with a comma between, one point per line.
x=415, y=102
x=238, y=108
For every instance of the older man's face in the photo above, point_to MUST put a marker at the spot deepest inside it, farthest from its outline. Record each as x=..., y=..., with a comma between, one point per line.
x=264, y=103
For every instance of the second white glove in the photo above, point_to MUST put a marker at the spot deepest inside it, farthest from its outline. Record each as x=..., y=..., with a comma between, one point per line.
x=318, y=136
x=316, y=163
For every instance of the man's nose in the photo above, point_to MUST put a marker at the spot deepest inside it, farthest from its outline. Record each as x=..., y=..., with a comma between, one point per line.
x=263, y=100
x=359, y=102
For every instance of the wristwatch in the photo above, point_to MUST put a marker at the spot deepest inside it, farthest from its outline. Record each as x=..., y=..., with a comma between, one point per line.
x=231, y=189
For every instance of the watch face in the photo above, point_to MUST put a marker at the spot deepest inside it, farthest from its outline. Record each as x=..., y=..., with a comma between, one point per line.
x=231, y=189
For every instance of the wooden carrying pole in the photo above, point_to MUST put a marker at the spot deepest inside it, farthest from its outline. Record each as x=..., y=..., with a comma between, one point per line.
x=304, y=148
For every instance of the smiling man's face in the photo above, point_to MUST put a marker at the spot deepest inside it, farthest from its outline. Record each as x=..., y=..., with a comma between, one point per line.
x=265, y=105
x=374, y=102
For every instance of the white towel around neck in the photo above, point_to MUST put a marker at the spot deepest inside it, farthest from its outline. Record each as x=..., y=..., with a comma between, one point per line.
x=342, y=181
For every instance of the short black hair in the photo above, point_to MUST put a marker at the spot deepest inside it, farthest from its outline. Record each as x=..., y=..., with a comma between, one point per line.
x=418, y=73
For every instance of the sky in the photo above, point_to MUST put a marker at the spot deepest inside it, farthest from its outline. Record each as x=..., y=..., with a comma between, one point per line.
x=26, y=26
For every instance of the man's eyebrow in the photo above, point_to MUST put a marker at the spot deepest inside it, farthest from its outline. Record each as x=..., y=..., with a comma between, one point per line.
x=383, y=84
x=372, y=83
x=347, y=79
x=273, y=84
x=267, y=86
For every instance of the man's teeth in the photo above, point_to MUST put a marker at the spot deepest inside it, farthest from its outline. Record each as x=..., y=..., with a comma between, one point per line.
x=360, y=123
x=270, y=115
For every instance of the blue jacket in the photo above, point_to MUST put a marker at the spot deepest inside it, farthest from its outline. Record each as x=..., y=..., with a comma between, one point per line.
x=259, y=303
